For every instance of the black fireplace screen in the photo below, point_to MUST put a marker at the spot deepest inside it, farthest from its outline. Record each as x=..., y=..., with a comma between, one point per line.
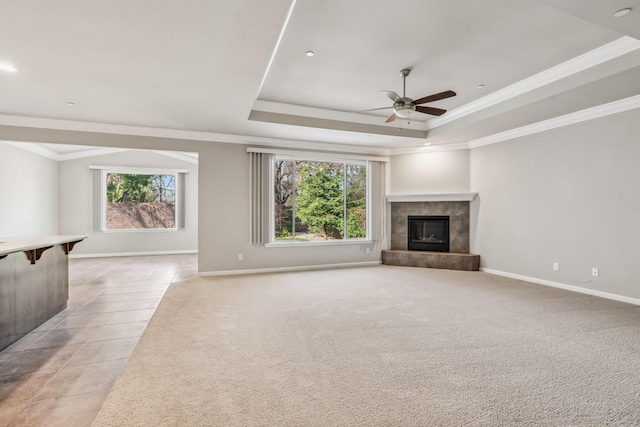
x=428, y=233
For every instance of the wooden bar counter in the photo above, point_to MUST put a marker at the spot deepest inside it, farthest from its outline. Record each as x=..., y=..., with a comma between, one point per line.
x=34, y=282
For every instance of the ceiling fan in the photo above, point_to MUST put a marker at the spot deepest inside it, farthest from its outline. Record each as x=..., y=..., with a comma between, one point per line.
x=403, y=106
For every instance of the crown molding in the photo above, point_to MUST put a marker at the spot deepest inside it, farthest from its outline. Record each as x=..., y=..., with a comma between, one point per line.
x=89, y=153
x=430, y=149
x=315, y=155
x=575, y=65
x=592, y=113
x=106, y=128
x=566, y=120
x=111, y=150
x=320, y=146
x=335, y=125
x=292, y=110
x=189, y=158
x=34, y=148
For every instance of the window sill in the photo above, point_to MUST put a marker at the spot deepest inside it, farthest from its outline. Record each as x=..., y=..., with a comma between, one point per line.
x=140, y=230
x=284, y=244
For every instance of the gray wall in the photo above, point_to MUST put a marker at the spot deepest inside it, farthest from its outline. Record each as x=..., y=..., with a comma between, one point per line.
x=28, y=193
x=434, y=172
x=224, y=225
x=568, y=195
x=76, y=206
x=223, y=203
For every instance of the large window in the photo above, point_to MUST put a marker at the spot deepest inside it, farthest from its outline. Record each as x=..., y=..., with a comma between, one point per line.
x=139, y=199
x=319, y=200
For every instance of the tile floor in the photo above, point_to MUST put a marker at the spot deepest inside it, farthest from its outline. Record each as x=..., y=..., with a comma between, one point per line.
x=61, y=373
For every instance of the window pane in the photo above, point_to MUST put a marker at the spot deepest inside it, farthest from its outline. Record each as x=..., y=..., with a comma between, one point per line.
x=283, y=199
x=356, y=201
x=140, y=201
x=319, y=201
x=316, y=200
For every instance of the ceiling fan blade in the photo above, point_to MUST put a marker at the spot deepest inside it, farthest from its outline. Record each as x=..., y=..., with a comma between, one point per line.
x=373, y=109
x=431, y=110
x=391, y=118
x=391, y=95
x=435, y=97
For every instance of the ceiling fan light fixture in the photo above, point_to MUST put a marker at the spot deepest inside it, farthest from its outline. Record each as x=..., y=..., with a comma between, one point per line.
x=403, y=112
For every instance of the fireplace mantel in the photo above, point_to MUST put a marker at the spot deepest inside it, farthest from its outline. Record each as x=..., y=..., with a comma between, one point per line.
x=436, y=197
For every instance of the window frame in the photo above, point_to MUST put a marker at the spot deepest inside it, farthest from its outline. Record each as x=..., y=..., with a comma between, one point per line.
x=102, y=197
x=313, y=157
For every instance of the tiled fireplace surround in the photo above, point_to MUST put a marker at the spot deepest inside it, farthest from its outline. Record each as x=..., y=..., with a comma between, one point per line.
x=458, y=258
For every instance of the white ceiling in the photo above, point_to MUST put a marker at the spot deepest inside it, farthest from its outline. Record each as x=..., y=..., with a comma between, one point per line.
x=237, y=70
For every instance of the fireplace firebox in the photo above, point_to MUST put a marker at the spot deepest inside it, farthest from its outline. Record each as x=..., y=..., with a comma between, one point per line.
x=428, y=233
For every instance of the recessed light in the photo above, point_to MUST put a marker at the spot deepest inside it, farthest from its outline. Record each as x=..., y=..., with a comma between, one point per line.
x=71, y=104
x=427, y=143
x=480, y=86
x=8, y=68
x=309, y=53
x=622, y=12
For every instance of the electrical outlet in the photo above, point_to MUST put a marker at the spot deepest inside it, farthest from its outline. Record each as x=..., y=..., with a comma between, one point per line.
x=595, y=272
x=368, y=250
x=240, y=257
x=556, y=266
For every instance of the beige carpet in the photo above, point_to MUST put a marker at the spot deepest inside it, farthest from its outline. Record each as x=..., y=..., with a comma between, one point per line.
x=380, y=346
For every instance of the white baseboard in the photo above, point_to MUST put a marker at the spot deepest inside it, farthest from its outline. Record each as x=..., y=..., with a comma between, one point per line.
x=285, y=269
x=579, y=289
x=121, y=254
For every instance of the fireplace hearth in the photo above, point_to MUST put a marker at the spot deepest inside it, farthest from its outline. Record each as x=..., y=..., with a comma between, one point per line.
x=436, y=243
x=428, y=233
